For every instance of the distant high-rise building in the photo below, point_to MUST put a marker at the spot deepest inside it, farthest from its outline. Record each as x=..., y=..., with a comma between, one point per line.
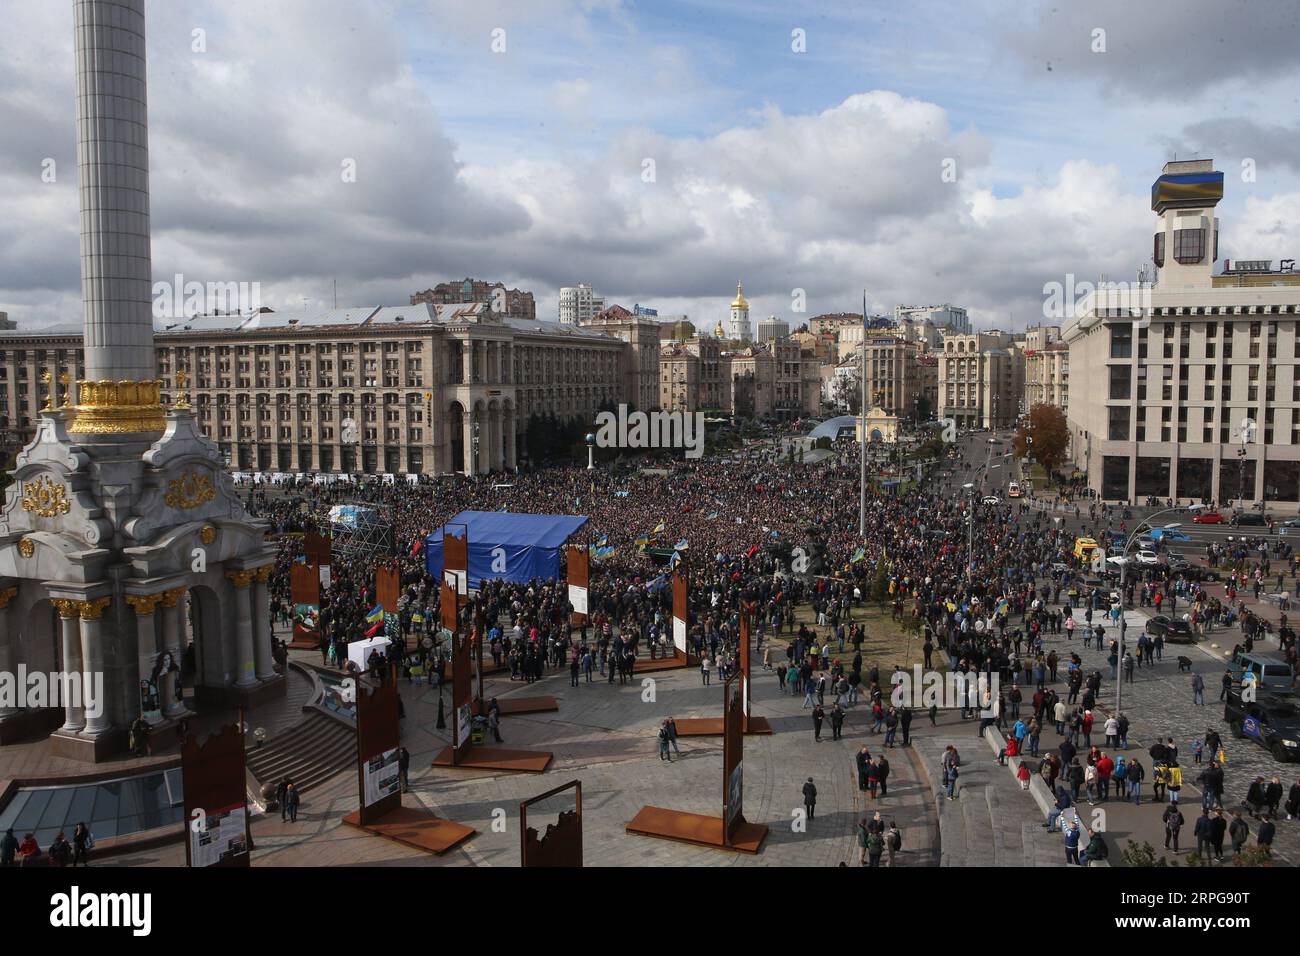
x=510, y=303
x=773, y=328
x=579, y=303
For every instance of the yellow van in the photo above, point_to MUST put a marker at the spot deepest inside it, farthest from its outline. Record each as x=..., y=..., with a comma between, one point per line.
x=1085, y=549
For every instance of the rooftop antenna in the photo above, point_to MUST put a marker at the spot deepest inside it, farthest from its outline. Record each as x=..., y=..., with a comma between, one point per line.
x=336, y=293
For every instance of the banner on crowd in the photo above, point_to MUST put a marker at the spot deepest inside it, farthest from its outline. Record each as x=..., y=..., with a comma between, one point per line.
x=681, y=575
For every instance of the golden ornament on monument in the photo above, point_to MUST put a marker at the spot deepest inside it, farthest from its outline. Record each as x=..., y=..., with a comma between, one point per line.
x=27, y=547
x=189, y=491
x=44, y=498
x=108, y=407
x=208, y=534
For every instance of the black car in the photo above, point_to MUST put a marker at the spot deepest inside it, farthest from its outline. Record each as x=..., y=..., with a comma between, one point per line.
x=1171, y=629
x=1252, y=519
x=1200, y=573
x=1272, y=721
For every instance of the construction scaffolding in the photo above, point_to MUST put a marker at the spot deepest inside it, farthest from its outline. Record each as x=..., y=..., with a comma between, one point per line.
x=360, y=531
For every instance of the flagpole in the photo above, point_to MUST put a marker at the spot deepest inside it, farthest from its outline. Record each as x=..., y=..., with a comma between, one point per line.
x=862, y=427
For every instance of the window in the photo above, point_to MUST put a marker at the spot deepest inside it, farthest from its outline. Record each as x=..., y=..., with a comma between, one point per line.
x=1121, y=341
x=1158, y=251
x=1121, y=382
x=1189, y=245
x=1118, y=424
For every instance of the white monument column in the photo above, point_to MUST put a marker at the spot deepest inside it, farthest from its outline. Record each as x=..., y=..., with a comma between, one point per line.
x=70, y=622
x=94, y=680
x=146, y=638
x=262, y=624
x=113, y=180
x=247, y=671
x=8, y=634
x=172, y=610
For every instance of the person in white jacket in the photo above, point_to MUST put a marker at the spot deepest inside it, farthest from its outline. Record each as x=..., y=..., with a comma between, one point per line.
x=1112, y=732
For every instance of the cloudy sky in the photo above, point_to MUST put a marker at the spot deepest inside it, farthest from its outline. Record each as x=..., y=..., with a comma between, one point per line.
x=663, y=150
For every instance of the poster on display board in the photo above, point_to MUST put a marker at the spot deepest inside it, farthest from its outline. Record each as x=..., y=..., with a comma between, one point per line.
x=324, y=577
x=382, y=777
x=578, y=598
x=463, y=723
x=679, y=634
x=219, y=835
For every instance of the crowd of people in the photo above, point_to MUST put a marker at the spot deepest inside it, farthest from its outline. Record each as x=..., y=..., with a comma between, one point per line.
x=994, y=586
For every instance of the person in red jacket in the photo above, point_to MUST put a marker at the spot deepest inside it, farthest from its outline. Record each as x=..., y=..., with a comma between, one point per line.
x=1105, y=767
x=1087, y=725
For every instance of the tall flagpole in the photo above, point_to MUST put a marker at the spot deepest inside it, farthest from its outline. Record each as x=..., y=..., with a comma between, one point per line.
x=862, y=427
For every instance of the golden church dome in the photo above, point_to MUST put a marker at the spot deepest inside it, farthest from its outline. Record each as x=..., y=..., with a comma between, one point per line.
x=739, y=302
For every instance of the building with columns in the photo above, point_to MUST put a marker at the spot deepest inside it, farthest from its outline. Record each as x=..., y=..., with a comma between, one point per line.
x=1047, y=368
x=980, y=379
x=396, y=389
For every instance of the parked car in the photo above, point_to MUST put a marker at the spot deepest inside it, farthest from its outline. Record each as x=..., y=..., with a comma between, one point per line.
x=1173, y=630
x=1272, y=721
x=1250, y=519
x=1147, y=557
x=991, y=500
x=1207, y=517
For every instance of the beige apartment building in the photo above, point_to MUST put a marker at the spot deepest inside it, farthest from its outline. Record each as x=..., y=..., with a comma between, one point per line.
x=1047, y=368
x=407, y=389
x=774, y=380
x=1196, y=394
x=981, y=379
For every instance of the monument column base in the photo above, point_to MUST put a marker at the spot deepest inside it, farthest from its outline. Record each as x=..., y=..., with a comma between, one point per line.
x=26, y=724
x=97, y=749
x=234, y=695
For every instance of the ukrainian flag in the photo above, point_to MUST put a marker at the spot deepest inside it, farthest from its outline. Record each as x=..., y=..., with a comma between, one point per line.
x=682, y=545
x=604, y=540
x=658, y=529
x=376, y=615
x=642, y=541
x=1004, y=607
x=713, y=516
x=858, y=555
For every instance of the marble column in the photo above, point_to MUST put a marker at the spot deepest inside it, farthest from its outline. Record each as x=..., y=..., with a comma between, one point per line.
x=69, y=620
x=246, y=666
x=172, y=610
x=113, y=181
x=262, y=624
x=8, y=634
x=94, y=681
x=510, y=441
x=146, y=638
x=471, y=460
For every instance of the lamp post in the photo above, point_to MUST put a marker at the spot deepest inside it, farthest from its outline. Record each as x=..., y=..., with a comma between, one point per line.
x=1123, y=600
x=475, y=444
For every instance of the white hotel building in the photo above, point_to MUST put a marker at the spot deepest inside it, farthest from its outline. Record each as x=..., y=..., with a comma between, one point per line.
x=1175, y=370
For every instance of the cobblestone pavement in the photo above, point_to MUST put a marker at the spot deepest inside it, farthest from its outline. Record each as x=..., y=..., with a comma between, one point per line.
x=1159, y=704
x=603, y=735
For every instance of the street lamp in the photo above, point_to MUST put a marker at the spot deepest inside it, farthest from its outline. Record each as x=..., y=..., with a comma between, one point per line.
x=475, y=444
x=1123, y=598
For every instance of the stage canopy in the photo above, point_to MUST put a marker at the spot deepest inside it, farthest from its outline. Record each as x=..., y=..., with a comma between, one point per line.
x=516, y=547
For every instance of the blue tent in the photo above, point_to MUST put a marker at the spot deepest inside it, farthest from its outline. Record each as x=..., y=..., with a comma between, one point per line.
x=516, y=547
